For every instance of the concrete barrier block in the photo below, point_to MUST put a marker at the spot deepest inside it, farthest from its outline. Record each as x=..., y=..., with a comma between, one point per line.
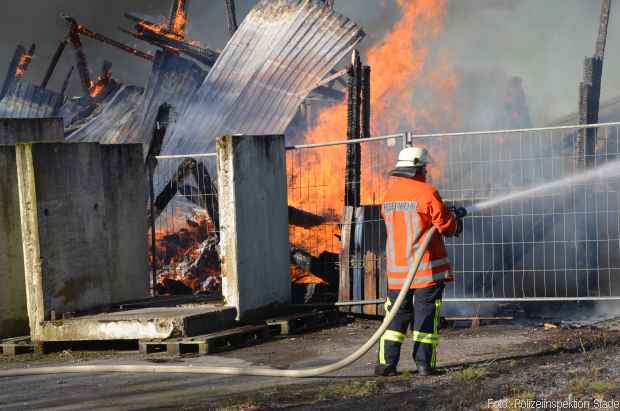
x=254, y=223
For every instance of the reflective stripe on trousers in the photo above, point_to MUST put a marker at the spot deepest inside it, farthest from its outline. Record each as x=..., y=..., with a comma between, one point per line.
x=389, y=335
x=431, y=338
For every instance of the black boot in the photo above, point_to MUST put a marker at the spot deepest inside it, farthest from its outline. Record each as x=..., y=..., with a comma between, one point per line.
x=425, y=370
x=382, y=370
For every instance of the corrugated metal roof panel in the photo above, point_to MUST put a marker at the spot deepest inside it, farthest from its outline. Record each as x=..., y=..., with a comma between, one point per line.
x=281, y=51
x=173, y=80
x=111, y=121
x=25, y=100
x=129, y=116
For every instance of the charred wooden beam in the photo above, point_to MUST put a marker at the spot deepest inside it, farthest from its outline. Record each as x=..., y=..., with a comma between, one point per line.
x=178, y=18
x=159, y=36
x=24, y=62
x=159, y=133
x=590, y=92
x=304, y=219
x=85, y=31
x=601, y=40
x=366, y=107
x=204, y=194
x=65, y=84
x=231, y=12
x=353, y=163
x=54, y=63
x=10, y=75
x=80, y=57
x=333, y=76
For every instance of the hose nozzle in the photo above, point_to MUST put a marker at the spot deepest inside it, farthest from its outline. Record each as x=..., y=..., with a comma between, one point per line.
x=459, y=212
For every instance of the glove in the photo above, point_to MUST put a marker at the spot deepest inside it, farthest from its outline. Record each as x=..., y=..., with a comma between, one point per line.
x=459, y=227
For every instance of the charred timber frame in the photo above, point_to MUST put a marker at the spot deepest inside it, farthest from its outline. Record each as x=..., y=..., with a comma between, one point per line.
x=10, y=75
x=82, y=30
x=353, y=164
x=159, y=133
x=206, y=190
x=352, y=273
x=54, y=63
x=24, y=62
x=178, y=18
x=231, y=13
x=590, y=93
x=161, y=37
x=65, y=84
x=81, y=61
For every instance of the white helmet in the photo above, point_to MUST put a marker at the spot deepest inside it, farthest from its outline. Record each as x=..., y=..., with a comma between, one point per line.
x=413, y=157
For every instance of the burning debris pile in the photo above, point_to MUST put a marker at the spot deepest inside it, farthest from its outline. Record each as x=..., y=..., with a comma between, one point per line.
x=188, y=260
x=208, y=93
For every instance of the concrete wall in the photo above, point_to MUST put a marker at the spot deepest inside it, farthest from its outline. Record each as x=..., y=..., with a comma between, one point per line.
x=31, y=130
x=91, y=213
x=73, y=231
x=13, y=313
x=254, y=223
x=13, y=307
x=126, y=199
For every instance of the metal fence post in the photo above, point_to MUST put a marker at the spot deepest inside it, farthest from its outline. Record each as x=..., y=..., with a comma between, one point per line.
x=151, y=168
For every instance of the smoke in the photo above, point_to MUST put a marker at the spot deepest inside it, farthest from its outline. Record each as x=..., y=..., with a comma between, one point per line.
x=543, y=42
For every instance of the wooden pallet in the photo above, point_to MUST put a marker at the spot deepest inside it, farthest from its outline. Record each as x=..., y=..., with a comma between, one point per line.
x=16, y=346
x=210, y=343
x=472, y=322
x=302, y=322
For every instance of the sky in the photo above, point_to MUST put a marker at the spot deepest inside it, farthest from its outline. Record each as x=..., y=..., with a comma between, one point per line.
x=542, y=41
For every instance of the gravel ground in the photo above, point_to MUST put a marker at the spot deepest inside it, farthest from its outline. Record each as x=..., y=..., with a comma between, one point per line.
x=500, y=362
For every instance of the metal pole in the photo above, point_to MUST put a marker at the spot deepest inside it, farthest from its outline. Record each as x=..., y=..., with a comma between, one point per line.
x=341, y=304
x=153, y=231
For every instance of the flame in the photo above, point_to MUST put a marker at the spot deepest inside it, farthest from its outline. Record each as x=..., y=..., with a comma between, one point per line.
x=97, y=86
x=22, y=66
x=179, y=246
x=180, y=20
x=398, y=63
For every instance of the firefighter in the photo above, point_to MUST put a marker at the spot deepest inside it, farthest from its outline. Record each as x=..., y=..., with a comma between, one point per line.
x=411, y=207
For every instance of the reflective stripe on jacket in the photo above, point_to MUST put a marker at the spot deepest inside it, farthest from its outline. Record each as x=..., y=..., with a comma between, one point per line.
x=411, y=207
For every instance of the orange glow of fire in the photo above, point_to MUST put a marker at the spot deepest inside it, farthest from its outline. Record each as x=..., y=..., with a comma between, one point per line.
x=96, y=88
x=179, y=22
x=23, y=64
x=398, y=63
x=299, y=276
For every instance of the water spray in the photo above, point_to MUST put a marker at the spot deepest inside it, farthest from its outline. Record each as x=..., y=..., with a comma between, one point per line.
x=607, y=171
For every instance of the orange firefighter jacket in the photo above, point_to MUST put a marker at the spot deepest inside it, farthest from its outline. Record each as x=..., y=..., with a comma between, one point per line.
x=410, y=208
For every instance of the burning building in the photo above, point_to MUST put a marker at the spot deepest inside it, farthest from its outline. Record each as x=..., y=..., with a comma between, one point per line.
x=209, y=93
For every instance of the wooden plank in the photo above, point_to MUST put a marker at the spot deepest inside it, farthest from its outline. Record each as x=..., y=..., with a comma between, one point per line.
x=382, y=267
x=298, y=323
x=237, y=338
x=16, y=346
x=370, y=282
x=209, y=343
x=345, y=262
x=358, y=259
x=472, y=322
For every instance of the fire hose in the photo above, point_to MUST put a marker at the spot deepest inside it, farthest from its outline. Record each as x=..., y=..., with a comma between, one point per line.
x=252, y=371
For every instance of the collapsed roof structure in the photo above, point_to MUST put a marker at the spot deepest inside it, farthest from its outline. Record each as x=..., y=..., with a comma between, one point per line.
x=282, y=52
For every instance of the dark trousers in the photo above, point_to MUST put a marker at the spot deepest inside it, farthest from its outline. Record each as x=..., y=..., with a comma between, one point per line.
x=424, y=317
